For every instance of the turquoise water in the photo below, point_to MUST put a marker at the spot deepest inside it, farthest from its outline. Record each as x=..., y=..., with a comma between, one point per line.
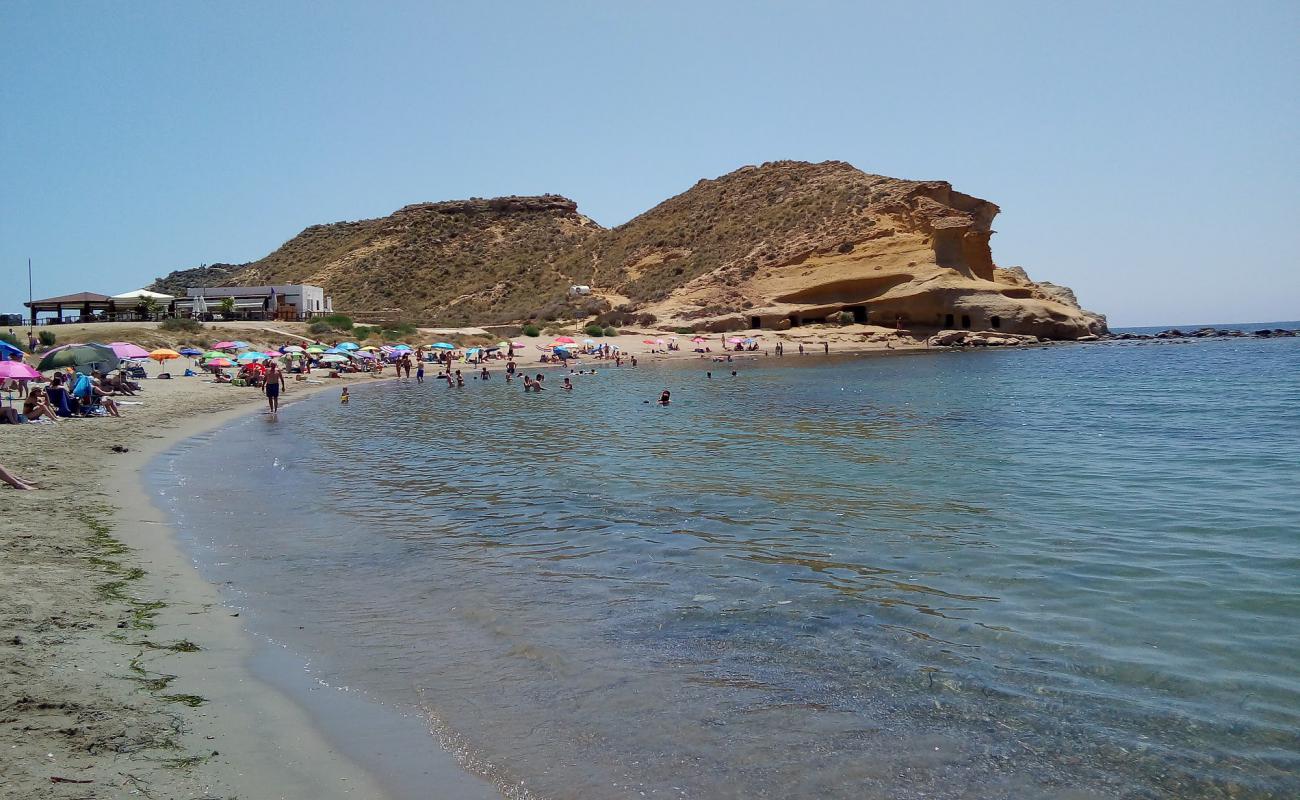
x=1056, y=572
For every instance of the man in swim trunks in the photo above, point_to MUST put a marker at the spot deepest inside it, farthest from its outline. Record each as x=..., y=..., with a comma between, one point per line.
x=274, y=382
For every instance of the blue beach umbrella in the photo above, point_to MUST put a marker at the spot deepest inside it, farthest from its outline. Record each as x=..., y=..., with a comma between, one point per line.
x=252, y=356
x=7, y=350
x=349, y=346
x=401, y=347
x=445, y=346
x=191, y=351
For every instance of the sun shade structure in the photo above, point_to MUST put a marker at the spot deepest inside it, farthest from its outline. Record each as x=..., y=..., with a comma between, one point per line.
x=17, y=370
x=128, y=351
x=164, y=354
x=81, y=357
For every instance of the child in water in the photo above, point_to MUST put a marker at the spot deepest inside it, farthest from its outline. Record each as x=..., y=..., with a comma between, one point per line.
x=343, y=399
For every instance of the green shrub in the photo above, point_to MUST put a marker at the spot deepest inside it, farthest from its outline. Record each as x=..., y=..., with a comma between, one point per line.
x=339, y=322
x=181, y=325
x=531, y=330
x=47, y=338
x=10, y=338
x=611, y=331
x=361, y=333
x=595, y=330
x=396, y=330
x=320, y=326
x=683, y=330
x=846, y=317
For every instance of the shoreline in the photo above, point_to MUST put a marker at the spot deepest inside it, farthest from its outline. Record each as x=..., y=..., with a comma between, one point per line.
x=123, y=667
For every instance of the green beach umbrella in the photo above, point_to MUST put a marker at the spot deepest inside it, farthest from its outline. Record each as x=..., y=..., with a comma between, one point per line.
x=81, y=357
x=213, y=354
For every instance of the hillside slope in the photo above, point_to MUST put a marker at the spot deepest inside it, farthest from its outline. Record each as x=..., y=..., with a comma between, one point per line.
x=782, y=244
x=791, y=242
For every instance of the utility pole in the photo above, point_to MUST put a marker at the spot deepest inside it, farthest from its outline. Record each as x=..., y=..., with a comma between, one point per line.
x=31, y=315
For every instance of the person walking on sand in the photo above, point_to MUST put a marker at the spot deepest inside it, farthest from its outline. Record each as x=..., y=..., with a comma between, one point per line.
x=274, y=382
x=827, y=346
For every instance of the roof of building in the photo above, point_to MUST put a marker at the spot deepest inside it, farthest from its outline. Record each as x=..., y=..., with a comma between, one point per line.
x=70, y=299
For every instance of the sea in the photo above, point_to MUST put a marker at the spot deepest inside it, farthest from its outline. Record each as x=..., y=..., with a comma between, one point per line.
x=1069, y=571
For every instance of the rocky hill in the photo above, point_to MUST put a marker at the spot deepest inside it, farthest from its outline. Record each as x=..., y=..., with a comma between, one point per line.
x=782, y=244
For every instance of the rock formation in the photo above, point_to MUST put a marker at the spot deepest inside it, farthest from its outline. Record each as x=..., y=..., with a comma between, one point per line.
x=779, y=245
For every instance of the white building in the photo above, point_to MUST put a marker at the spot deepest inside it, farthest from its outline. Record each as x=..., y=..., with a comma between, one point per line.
x=283, y=302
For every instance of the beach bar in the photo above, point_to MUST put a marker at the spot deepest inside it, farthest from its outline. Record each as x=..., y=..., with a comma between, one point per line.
x=86, y=306
x=285, y=302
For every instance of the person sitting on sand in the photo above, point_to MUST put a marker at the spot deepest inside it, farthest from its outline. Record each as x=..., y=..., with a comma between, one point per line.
x=13, y=480
x=218, y=376
x=35, y=406
x=99, y=397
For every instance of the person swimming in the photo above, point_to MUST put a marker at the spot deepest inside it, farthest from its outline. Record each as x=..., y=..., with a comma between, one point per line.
x=343, y=398
x=665, y=398
x=568, y=385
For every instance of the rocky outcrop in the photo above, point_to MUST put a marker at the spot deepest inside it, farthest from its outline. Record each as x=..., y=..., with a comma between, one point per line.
x=780, y=245
x=791, y=243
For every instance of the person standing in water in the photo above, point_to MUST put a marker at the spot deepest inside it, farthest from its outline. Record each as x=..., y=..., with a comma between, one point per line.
x=274, y=383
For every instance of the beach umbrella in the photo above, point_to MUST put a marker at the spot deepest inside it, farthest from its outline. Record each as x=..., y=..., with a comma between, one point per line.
x=7, y=350
x=213, y=354
x=163, y=354
x=18, y=371
x=503, y=345
x=80, y=356
x=588, y=341
x=660, y=341
x=371, y=348
x=735, y=340
x=444, y=345
x=364, y=354
x=565, y=340
x=245, y=358
x=348, y=345
x=698, y=339
x=333, y=358
x=191, y=351
x=401, y=347
x=647, y=341
x=128, y=351
x=224, y=346
x=293, y=348
x=315, y=348
x=238, y=343
x=219, y=362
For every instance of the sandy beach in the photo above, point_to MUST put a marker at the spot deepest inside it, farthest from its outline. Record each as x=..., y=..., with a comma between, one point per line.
x=121, y=672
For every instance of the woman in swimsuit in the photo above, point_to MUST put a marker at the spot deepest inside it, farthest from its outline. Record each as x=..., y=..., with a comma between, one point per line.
x=35, y=407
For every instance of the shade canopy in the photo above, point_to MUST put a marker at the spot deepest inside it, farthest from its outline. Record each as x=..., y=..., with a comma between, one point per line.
x=140, y=294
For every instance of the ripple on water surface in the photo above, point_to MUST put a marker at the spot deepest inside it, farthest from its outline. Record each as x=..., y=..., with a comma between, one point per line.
x=1069, y=572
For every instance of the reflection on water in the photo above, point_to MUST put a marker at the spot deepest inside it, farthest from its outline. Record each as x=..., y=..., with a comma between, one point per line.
x=1064, y=572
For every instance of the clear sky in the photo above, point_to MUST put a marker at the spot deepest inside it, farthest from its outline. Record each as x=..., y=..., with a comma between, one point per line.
x=1143, y=153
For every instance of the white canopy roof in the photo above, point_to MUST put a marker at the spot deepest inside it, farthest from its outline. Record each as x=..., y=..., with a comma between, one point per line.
x=140, y=294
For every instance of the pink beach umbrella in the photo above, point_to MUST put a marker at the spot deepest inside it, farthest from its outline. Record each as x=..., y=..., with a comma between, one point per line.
x=518, y=345
x=128, y=351
x=735, y=340
x=18, y=371
x=224, y=346
x=565, y=340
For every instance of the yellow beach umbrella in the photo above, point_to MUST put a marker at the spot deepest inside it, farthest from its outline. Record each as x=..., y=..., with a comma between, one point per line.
x=371, y=348
x=163, y=354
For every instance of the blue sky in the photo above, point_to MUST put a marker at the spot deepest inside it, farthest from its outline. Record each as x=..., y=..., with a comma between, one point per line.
x=1143, y=153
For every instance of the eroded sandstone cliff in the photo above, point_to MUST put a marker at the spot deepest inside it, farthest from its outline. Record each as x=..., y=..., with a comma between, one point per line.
x=782, y=244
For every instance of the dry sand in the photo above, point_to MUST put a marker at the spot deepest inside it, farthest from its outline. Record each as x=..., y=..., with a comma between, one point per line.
x=101, y=693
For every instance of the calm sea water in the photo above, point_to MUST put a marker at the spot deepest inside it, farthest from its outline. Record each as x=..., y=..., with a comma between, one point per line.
x=1067, y=572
